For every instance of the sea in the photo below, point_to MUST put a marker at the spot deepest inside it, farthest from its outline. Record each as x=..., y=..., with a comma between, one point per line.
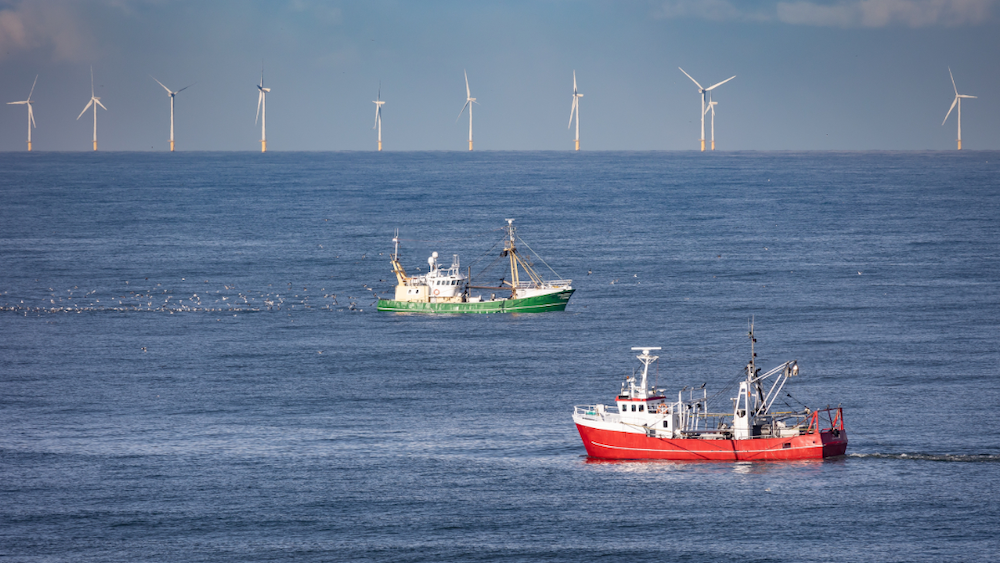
x=192, y=367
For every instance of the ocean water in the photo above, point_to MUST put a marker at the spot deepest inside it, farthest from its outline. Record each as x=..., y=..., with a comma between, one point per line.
x=192, y=367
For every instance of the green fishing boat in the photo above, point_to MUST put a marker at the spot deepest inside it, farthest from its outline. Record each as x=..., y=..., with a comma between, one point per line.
x=448, y=290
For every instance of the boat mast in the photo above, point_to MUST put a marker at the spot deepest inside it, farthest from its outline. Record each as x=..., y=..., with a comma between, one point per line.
x=512, y=255
x=752, y=371
x=397, y=268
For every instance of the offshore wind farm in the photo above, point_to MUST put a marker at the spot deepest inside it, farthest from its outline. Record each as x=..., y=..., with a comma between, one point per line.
x=323, y=58
x=708, y=106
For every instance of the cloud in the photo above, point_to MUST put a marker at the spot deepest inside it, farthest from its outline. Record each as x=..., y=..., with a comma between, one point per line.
x=886, y=13
x=712, y=10
x=46, y=26
x=837, y=13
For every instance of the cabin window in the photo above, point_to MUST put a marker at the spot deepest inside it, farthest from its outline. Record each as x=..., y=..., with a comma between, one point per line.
x=666, y=424
x=633, y=408
x=640, y=408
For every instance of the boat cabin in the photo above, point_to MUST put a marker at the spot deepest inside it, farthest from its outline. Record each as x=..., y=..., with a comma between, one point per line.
x=438, y=285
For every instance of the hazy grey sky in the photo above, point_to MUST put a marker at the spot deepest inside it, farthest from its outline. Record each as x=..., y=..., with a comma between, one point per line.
x=810, y=74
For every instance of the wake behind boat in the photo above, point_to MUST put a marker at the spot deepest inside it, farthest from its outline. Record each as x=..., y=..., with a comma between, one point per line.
x=448, y=290
x=644, y=424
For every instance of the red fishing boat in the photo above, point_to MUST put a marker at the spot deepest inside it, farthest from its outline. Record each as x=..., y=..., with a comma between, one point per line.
x=644, y=424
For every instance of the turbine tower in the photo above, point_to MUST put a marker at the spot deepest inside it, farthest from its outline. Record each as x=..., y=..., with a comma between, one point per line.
x=958, y=102
x=171, y=94
x=469, y=100
x=378, y=115
x=704, y=93
x=94, y=101
x=711, y=109
x=575, y=109
x=262, y=111
x=31, y=114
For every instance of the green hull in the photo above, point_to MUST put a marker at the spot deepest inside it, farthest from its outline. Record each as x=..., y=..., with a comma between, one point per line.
x=538, y=304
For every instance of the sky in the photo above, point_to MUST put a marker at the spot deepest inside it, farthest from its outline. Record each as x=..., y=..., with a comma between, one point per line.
x=810, y=74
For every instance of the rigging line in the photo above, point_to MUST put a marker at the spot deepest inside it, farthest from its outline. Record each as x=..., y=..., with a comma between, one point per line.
x=730, y=385
x=483, y=271
x=485, y=254
x=539, y=257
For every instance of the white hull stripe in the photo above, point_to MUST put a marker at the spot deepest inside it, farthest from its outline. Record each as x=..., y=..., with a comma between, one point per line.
x=610, y=447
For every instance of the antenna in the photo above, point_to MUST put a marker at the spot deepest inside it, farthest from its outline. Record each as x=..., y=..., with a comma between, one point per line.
x=646, y=359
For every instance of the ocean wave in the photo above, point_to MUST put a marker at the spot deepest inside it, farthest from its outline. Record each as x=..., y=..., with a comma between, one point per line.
x=960, y=458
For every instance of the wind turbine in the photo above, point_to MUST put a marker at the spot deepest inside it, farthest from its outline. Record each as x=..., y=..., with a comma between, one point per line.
x=171, y=94
x=469, y=100
x=262, y=111
x=94, y=101
x=378, y=114
x=704, y=92
x=31, y=114
x=575, y=109
x=958, y=102
x=711, y=109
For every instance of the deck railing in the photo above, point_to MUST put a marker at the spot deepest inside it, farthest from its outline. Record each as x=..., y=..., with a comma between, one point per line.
x=832, y=419
x=591, y=412
x=547, y=283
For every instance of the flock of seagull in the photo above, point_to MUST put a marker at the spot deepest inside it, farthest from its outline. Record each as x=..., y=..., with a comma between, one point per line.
x=707, y=108
x=156, y=299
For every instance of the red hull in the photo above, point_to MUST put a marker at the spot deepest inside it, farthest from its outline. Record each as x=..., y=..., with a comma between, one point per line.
x=610, y=444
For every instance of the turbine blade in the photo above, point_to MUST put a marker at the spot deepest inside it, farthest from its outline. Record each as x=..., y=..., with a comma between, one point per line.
x=98, y=102
x=949, y=110
x=377, y=116
x=184, y=88
x=161, y=84
x=463, y=110
x=953, y=81
x=574, y=82
x=965, y=96
x=468, y=93
x=33, y=87
x=692, y=79
x=260, y=98
x=91, y=81
x=720, y=83
x=572, y=109
x=31, y=117
x=85, y=108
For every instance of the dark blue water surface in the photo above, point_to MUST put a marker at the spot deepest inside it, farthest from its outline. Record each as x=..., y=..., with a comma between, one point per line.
x=192, y=367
